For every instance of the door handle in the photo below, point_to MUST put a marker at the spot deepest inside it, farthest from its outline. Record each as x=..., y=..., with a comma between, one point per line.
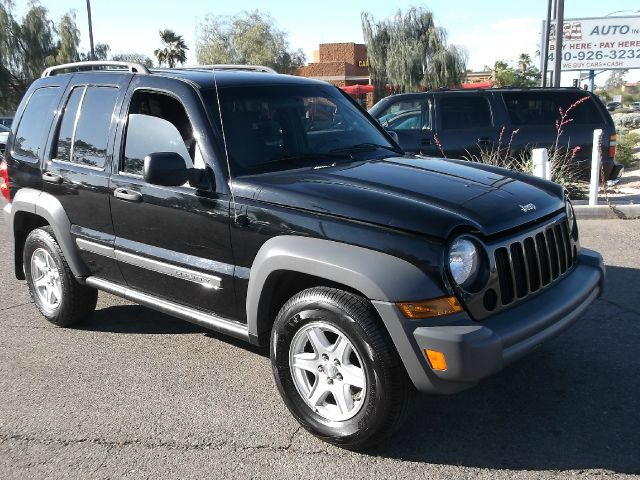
x=127, y=195
x=51, y=177
x=425, y=141
x=484, y=141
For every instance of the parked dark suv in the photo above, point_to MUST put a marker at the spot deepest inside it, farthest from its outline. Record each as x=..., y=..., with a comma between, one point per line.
x=466, y=121
x=273, y=209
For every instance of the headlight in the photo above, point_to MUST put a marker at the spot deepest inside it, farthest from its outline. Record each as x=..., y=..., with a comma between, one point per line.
x=571, y=218
x=463, y=261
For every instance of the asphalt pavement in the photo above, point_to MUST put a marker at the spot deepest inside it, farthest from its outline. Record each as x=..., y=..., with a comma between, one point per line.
x=136, y=394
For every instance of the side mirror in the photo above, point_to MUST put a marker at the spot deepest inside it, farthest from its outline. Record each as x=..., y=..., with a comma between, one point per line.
x=167, y=169
x=394, y=135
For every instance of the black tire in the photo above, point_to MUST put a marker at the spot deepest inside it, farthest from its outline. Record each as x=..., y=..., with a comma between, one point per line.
x=389, y=390
x=77, y=302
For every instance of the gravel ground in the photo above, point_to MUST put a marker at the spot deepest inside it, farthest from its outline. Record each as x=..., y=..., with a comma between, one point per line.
x=136, y=394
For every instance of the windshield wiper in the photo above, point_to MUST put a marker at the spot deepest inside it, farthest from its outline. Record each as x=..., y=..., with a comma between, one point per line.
x=307, y=156
x=367, y=147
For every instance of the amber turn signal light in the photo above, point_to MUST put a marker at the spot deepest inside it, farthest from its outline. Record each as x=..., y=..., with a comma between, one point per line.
x=436, y=307
x=436, y=359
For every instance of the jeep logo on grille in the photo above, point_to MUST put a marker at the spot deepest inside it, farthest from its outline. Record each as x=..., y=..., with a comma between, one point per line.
x=528, y=207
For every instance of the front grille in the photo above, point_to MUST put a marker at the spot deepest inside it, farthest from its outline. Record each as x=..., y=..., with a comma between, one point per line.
x=522, y=265
x=532, y=263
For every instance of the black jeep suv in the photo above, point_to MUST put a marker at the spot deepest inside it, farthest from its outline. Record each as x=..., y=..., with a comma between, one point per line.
x=273, y=209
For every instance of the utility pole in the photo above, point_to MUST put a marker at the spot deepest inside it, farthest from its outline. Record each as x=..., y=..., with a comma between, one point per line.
x=557, y=64
x=93, y=53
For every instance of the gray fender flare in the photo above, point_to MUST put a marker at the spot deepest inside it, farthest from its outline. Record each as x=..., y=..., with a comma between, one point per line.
x=378, y=276
x=48, y=207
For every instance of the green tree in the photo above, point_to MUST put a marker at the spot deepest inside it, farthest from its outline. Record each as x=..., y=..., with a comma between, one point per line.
x=504, y=76
x=616, y=79
x=411, y=52
x=246, y=38
x=28, y=46
x=174, y=49
x=68, y=40
x=133, y=57
x=100, y=50
x=524, y=61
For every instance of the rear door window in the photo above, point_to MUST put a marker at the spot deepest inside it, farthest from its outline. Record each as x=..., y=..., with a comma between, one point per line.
x=464, y=112
x=543, y=108
x=86, y=125
x=65, y=134
x=406, y=115
x=35, y=122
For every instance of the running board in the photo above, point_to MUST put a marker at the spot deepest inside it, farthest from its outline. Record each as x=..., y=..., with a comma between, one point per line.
x=206, y=320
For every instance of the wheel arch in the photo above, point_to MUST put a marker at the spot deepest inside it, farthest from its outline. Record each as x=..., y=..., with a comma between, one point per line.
x=31, y=209
x=303, y=262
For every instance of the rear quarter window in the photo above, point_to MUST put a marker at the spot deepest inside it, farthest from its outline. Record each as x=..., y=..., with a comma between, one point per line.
x=35, y=122
x=543, y=108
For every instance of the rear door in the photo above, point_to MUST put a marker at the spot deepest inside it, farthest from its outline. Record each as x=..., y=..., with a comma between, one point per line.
x=410, y=117
x=78, y=161
x=465, y=123
x=171, y=242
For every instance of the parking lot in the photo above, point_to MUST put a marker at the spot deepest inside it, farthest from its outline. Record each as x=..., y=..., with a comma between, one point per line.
x=136, y=394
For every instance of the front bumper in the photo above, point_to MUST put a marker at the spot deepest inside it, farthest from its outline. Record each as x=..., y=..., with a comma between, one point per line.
x=475, y=350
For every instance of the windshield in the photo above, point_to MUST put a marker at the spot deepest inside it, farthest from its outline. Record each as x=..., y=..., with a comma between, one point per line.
x=4, y=129
x=287, y=126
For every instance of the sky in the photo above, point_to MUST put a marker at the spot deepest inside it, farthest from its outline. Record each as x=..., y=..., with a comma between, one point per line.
x=489, y=30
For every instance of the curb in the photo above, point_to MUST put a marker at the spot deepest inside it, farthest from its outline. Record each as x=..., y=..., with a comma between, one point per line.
x=586, y=212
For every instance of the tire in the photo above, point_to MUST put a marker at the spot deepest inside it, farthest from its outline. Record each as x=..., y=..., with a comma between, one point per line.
x=43, y=254
x=353, y=334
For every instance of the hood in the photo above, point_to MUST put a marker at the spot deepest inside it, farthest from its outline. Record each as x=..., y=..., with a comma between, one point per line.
x=432, y=196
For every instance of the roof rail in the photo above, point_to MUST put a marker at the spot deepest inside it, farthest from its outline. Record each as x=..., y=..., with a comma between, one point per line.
x=130, y=66
x=249, y=68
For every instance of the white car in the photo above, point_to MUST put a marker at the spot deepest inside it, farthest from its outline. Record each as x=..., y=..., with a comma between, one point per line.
x=4, y=134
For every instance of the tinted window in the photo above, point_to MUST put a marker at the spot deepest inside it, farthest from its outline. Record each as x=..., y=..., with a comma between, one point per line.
x=279, y=127
x=92, y=132
x=65, y=134
x=35, y=122
x=464, y=112
x=543, y=108
x=406, y=115
x=158, y=123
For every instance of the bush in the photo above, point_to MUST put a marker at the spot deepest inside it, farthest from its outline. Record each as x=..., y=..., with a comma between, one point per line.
x=627, y=143
x=626, y=120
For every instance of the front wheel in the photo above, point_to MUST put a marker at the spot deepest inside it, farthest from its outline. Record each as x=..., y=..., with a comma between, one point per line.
x=337, y=370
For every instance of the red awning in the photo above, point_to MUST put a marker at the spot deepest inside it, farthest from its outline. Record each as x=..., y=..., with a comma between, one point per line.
x=357, y=89
x=487, y=84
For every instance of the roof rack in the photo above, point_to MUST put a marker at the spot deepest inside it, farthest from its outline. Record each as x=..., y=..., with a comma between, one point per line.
x=132, y=67
x=248, y=68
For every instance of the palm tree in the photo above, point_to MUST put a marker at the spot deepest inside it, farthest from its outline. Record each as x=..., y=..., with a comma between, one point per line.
x=174, y=49
x=524, y=61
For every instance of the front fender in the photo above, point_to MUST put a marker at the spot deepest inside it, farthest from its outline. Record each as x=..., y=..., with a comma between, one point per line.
x=378, y=276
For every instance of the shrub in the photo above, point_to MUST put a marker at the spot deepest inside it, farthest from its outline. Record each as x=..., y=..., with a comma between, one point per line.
x=627, y=143
x=626, y=120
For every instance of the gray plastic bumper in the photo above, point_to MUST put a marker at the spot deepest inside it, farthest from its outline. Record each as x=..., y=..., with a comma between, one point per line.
x=476, y=350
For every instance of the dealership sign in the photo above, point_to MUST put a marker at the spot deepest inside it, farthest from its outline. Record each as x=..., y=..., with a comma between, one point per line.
x=597, y=43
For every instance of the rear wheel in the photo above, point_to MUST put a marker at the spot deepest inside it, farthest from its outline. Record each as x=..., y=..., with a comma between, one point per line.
x=337, y=370
x=55, y=291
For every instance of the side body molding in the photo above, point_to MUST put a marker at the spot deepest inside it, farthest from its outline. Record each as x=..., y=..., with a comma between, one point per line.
x=48, y=207
x=379, y=276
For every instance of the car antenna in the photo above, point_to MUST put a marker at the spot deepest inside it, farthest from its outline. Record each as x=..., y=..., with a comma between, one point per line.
x=226, y=150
